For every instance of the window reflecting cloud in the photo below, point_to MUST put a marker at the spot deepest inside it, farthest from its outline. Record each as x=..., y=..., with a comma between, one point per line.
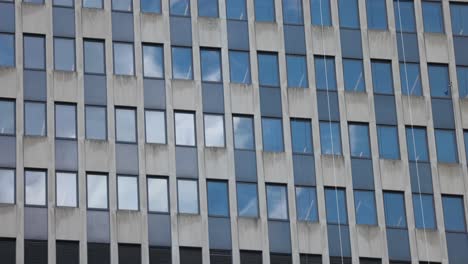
x=35, y=187
x=7, y=186
x=214, y=131
x=185, y=129
x=97, y=191
x=127, y=192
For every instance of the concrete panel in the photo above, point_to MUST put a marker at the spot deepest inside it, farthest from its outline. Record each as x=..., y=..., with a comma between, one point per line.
x=157, y=159
x=276, y=167
x=154, y=28
x=310, y=238
x=451, y=178
x=464, y=113
x=250, y=233
x=9, y=225
x=430, y=245
x=325, y=40
x=7, y=151
x=129, y=227
x=98, y=226
x=299, y=102
x=279, y=235
x=159, y=230
x=327, y=171
x=186, y=162
x=245, y=165
x=126, y=158
x=125, y=90
x=9, y=79
x=95, y=22
x=209, y=32
x=217, y=163
x=66, y=155
x=219, y=231
x=37, y=152
x=436, y=47
x=267, y=36
x=357, y=107
x=393, y=175
x=66, y=86
x=243, y=100
x=185, y=95
x=35, y=223
x=68, y=223
x=191, y=230
x=381, y=44
x=36, y=18
x=370, y=241
x=97, y=155
x=417, y=108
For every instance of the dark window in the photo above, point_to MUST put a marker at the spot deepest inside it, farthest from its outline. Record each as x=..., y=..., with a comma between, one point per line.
x=67, y=252
x=211, y=65
x=264, y=10
x=125, y=125
x=7, y=117
x=214, y=130
x=432, y=15
x=8, y=250
x=34, y=1
x=123, y=59
x=297, y=71
x=151, y=6
x=64, y=54
x=35, y=188
x=190, y=255
x=184, y=129
x=155, y=126
x=268, y=72
x=35, y=119
x=153, y=61
x=158, y=195
x=382, y=79
x=395, y=215
x=376, y=14
x=218, y=256
x=325, y=77
x=122, y=5
x=65, y=121
x=320, y=12
x=208, y=8
x=404, y=15
x=34, y=52
x=94, y=58
x=416, y=141
x=236, y=9
x=277, y=201
x=301, y=136
x=410, y=78
x=180, y=7
x=67, y=189
x=359, y=140
x=424, y=214
x=272, y=131
x=349, y=13
x=97, y=191
x=7, y=49
x=93, y=4
x=310, y=259
x=187, y=196
x=389, y=147
x=159, y=255
x=129, y=254
x=446, y=144
x=96, y=122
x=439, y=80
x=292, y=12
x=127, y=192
x=250, y=257
x=370, y=261
x=277, y=258
x=465, y=135
x=454, y=213
x=330, y=138
x=459, y=12
x=239, y=66
x=306, y=204
x=364, y=204
x=182, y=63
x=462, y=74
x=218, y=200
x=35, y=251
x=244, y=137
x=247, y=199
x=353, y=72
x=98, y=253
x=7, y=187
x=335, y=202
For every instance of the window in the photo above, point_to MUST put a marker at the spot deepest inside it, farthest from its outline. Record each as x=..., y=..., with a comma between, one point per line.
x=158, y=195
x=208, y=8
x=424, y=216
x=389, y=147
x=297, y=71
x=35, y=187
x=458, y=12
x=185, y=129
x=382, y=79
x=150, y=6
x=67, y=252
x=122, y=5
x=7, y=117
x=7, y=186
x=97, y=191
x=182, y=63
x=94, y=58
x=187, y=196
x=359, y=141
x=439, y=80
x=236, y=9
x=364, y=204
x=432, y=15
x=7, y=49
x=353, y=72
x=376, y=14
x=335, y=202
x=349, y=13
x=465, y=135
x=394, y=205
x=330, y=138
x=127, y=192
x=416, y=141
x=446, y=144
x=96, y=122
x=153, y=61
x=180, y=7
x=247, y=199
x=268, y=72
x=272, y=131
x=155, y=126
x=65, y=121
x=34, y=52
x=410, y=79
x=67, y=190
x=404, y=9
x=123, y=59
x=462, y=74
x=320, y=11
x=277, y=202
x=306, y=204
x=34, y=119
x=239, y=65
x=301, y=136
x=325, y=77
x=214, y=130
x=211, y=65
x=125, y=125
x=454, y=213
x=292, y=12
x=218, y=200
x=243, y=132
x=93, y=4
x=264, y=10
x=64, y=54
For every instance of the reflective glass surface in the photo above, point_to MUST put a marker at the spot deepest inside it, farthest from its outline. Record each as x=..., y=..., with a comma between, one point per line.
x=127, y=192
x=301, y=136
x=272, y=130
x=325, y=77
x=404, y=9
x=218, y=204
x=330, y=138
x=34, y=119
x=185, y=129
x=297, y=71
x=264, y=10
x=382, y=79
x=454, y=213
x=208, y=8
x=247, y=200
x=187, y=194
x=97, y=191
x=7, y=49
x=35, y=188
x=180, y=7
x=416, y=141
x=123, y=59
x=433, y=18
x=462, y=74
x=239, y=66
x=93, y=4
x=292, y=12
x=122, y=5
x=7, y=117
x=439, y=80
x=125, y=125
x=96, y=122
x=424, y=216
x=243, y=132
x=268, y=73
x=64, y=54
x=158, y=197
x=65, y=121
x=335, y=202
x=458, y=13
x=389, y=147
x=153, y=61
x=320, y=12
x=155, y=126
x=214, y=130
x=236, y=9
x=376, y=14
x=410, y=79
x=66, y=189
x=7, y=186
x=211, y=65
x=94, y=59
x=353, y=72
x=306, y=204
x=359, y=141
x=150, y=6
x=34, y=52
x=349, y=13
x=277, y=202
x=182, y=63
x=446, y=146
x=395, y=215
x=364, y=204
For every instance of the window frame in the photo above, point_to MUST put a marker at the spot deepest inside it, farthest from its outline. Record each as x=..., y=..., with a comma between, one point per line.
x=340, y=138
x=455, y=145
x=314, y=188
x=397, y=139
x=252, y=121
x=76, y=120
x=257, y=213
x=74, y=54
x=363, y=74
x=102, y=42
x=376, y=217
x=224, y=130
x=46, y=191
x=14, y=49
x=397, y=8
x=44, y=104
x=402, y=194
x=300, y=19
x=194, y=115
x=285, y=188
x=178, y=195
x=106, y=135
x=403, y=67
x=419, y=201
x=325, y=60
x=101, y=6
x=165, y=125
x=219, y=55
x=114, y=56
x=305, y=85
x=228, y=209
x=99, y=174
x=328, y=21
x=249, y=80
x=191, y=77
x=38, y=36
x=277, y=70
x=137, y=194
x=9, y=100
x=359, y=124
x=309, y=124
x=280, y=119
x=153, y=45
x=336, y=189
x=135, y=131
x=245, y=10
x=77, y=205
x=14, y=185
x=166, y=179
x=462, y=198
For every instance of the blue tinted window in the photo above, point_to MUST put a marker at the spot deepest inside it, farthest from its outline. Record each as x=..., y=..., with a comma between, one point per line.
x=65, y=121
x=320, y=12
x=446, y=144
x=349, y=13
x=268, y=73
x=335, y=202
x=34, y=52
x=94, y=58
x=325, y=77
x=395, y=215
x=272, y=131
x=353, y=72
x=153, y=62
x=301, y=136
x=389, y=147
x=433, y=18
x=459, y=13
x=297, y=71
x=454, y=213
x=410, y=78
x=218, y=204
x=64, y=54
x=465, y=135
x=208, y=8
x=187, y=196
x=424, y=216
x=306, y=204
x=292, y=12
x=96, y=122
x=180, y=7
x=359, y=141
x=236, y=9
x=182, y=63
x=122, y=5
x=264, y=10
x=239, y=66
x=93, y=4
x=35, y=119
x=462, y=74
x=7, y=117
x=382, y=79
x=125, y=125
x=416, y=141
x=123, y=59
x=151, y=6
x=439, y=81
x=7, y=49
x=364, y=204
x=404, y=9
x=277, y=201
x=247, y=200
x=210, y=65
x=243, y=132
x=376, y=14
x=330, y=138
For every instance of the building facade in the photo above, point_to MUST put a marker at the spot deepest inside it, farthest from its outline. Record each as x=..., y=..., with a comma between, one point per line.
x=233, y=131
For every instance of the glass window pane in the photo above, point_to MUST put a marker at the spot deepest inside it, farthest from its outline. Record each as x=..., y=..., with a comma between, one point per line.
x=330, y=138
x=7, y=186
x=465, y=135
x=446, y=146
x=64, y=54
x=239, y=66
x=424, y=216
x=320, y=11
x=218, y=204
x=96, y=122
x=292, y=12
x=335, y=202
x=151, y=6
x=395, y=215
x=325, y=77
x=306, y=204
x=389, y=147
x=67, y=189
x=272, y=131
x=301, y=136
x=94, y=57
x=247, y=200
x=7, y=50
x=214, y=131
x=454, y=213
x=353, y=72
x=297, y=71
x=125, y=125
x=34, y=119
x=243, y=133
x=7, y=117
x=127, y=192
x=153, y=61
x=462, y=74
x=405, y=11
x=34, y=52
x=359, y=141
x=208, y=8
x=123, y=59
x=185, y=129
x=416, y=141
x=65, y=121
x=187, y=196
x=277, y=202
x=35, y=187
x=382, y=79
x=433, y=18
x=268, y=69
x=155, y=126
x=93, y=4
x=364, y=204
x=410, y=79
x=211, y=65
x=439, y=80
x=264, y=10
x=158, y=197
x=349, y=13
x=180, y=7
x=97, y=191
x=376, y=14
x=182, y=63
x=459, y=13
x=236, y=9
x=122, y=5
